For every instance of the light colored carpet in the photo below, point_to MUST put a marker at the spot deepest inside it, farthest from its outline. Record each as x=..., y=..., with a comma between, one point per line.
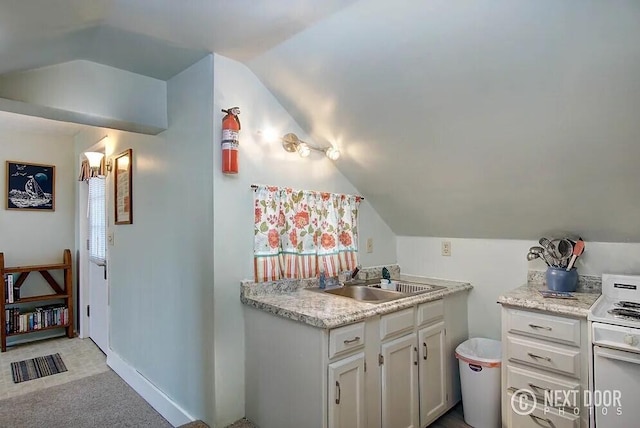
x=102, y=400
x=243, y=423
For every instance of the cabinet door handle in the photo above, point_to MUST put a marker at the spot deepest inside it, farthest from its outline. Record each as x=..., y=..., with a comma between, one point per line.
x=541, y=327
x=538, y=388
x=426, y=350
x=415, y=363
x=349, y=341
x=538, y=418
x=338, y=398
x=538, y=357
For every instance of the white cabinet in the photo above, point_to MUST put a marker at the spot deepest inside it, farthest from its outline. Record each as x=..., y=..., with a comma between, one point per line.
x=432, y=372
x=400, y=382
x=545, y=355
x=414, y=366
x=371, y=374
x=541, y=416
x=346, y=397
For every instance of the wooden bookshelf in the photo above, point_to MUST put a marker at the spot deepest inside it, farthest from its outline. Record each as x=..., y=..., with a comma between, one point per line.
x=64, y=293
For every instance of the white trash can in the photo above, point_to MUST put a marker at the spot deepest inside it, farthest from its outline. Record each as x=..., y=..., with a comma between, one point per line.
x=479, y=361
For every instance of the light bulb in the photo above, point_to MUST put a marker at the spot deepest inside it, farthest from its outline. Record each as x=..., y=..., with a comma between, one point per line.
x=332, y=153
x=303, y=150
x=269, y=135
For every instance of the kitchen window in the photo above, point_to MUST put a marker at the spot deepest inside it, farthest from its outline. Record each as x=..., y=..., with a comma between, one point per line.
x=299, y=232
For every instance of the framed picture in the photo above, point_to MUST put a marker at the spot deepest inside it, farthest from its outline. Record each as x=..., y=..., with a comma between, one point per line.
x=123, y=185
x=31, y=186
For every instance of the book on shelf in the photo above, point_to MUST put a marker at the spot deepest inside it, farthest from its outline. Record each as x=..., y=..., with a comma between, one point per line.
x=36, y=319
x=9, y=289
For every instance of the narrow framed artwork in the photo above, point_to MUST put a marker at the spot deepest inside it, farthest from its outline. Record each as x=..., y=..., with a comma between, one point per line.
x=123, y=186
x=30, y=186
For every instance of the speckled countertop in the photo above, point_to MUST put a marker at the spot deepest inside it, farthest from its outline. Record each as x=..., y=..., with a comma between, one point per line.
x=528, y=296
x=291, y=299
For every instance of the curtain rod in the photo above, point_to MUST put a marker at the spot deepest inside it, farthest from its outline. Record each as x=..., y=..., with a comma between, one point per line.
x=255, y=186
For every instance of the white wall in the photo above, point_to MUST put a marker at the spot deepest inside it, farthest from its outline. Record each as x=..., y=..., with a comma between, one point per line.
x=265, y=163
x=35, y=237
x=93, y=91
x=161, y=266
x=495, y=266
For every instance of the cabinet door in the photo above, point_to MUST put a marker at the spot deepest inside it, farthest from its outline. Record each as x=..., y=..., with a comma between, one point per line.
x=346, y=393
x=400, y=383
x=433, y=399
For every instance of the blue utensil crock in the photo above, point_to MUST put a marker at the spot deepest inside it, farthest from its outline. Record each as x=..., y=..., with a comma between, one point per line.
x=558, y=279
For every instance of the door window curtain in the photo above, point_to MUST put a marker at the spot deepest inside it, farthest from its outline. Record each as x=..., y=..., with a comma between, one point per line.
x=97, y=221
x=298, y=231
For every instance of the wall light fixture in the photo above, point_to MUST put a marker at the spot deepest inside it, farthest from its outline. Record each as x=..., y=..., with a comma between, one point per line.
x=96, y=160
x=291, y=143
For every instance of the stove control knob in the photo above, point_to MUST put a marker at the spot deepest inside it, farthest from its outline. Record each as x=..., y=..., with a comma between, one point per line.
x=630, y=339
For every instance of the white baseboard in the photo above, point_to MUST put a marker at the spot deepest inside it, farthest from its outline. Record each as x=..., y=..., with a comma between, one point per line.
x=169, y=410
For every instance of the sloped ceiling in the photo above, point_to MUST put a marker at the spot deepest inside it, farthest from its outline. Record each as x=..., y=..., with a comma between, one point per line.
x=477, y=119
x=156, y=38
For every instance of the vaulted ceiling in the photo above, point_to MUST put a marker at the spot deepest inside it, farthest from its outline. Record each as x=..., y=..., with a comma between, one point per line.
x=482, y=119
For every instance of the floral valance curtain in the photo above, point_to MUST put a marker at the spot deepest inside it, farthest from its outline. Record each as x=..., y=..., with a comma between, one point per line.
x=299, y=231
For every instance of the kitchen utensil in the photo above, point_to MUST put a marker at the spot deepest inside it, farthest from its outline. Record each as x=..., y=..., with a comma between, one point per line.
x=578, y=249
x=532, y=256
x=564, y=248
x=563, y=251
x=550, y=251
x=537, y=252
x=546, y=244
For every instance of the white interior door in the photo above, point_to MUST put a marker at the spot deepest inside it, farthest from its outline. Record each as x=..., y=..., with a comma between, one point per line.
x=98, y=306
x=97, y=272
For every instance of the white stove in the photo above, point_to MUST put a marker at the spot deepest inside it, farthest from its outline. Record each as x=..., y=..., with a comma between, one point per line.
x=615, y=336
x=619, y=303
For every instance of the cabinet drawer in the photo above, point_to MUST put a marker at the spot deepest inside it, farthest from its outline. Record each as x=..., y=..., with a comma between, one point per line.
x=543, y=386
x=430, y=311
x=544, y=326
x=395, y=323
x=558, y=358
x=541, y=417
x=345, y=339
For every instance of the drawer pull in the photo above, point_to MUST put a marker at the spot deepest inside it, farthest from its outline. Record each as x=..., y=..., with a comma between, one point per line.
x=338, y=398
x=426, y=350
x=536, y=419
x=540, y=327
x=538, y=388
x=538, y=357
x=349, y=341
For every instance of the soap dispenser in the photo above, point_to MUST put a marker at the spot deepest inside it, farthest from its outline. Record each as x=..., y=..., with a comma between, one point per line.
x=322, y=281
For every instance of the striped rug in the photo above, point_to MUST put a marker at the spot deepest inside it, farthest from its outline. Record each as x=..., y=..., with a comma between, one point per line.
x=35, y=368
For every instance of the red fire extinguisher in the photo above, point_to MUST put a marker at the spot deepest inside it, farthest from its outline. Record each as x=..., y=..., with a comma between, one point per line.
x=230, y=142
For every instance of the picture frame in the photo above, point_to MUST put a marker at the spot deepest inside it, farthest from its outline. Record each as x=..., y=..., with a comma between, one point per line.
x=30, y=186
x=123, y=187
